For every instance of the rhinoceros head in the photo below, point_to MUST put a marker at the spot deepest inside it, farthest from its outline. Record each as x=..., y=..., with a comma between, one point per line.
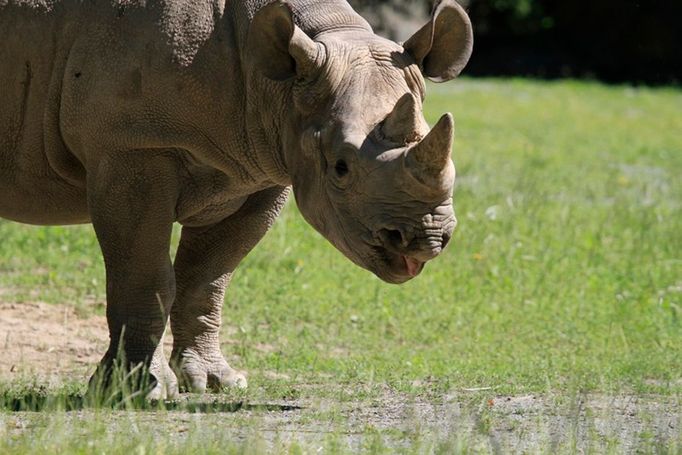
x=367, y=171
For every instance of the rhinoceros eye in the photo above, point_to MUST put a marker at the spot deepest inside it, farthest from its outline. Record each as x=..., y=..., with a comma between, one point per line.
x=341, y=168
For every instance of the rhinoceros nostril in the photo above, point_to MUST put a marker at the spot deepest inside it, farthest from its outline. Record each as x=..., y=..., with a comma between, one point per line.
x=392, y=237
x=395, y=236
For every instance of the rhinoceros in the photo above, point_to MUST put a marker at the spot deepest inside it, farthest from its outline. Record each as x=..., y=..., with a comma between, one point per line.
x=136, y=114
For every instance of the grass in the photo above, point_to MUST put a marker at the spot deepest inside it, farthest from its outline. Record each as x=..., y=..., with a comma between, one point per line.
x=564, y=276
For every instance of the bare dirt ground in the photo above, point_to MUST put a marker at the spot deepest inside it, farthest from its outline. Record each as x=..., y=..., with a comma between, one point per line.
x=53, y=342
x=48, y=340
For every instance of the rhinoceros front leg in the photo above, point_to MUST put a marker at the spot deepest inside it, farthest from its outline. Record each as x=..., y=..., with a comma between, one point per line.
x=204, y=264
x=131, y=198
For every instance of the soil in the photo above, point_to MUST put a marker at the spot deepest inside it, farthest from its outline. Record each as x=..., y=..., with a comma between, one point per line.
x=53, y=342
x=49, y=341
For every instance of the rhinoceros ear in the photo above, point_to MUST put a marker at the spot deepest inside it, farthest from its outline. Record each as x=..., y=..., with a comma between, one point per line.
x=277, y=47
x=443, y=46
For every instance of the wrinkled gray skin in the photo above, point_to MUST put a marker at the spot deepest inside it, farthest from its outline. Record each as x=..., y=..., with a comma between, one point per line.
x=133, y=115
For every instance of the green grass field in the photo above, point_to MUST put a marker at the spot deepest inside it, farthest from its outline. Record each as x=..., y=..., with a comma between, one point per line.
x=564, y=278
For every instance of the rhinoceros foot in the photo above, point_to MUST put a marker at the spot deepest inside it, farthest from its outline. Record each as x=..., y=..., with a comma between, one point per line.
x=115, y=381
x=198, y=371
x=166, y=383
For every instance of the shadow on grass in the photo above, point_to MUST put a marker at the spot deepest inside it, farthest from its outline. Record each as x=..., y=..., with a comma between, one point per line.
x=40, y=402
x=119, y=385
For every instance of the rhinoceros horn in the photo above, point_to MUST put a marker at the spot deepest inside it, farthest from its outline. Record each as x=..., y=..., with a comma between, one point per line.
x=429, y=158
x=402, y=124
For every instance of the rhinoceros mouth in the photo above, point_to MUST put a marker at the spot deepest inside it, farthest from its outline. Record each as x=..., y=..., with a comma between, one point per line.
x=395, y=267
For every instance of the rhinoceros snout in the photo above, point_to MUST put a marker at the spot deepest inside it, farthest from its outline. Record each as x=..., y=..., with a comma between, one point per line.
x=403, y=249
x=422, y=246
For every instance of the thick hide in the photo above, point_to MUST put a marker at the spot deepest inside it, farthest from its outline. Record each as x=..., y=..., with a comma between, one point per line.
x=133, y=115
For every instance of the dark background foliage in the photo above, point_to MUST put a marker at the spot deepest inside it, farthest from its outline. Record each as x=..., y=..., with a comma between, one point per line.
x=637, y=41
